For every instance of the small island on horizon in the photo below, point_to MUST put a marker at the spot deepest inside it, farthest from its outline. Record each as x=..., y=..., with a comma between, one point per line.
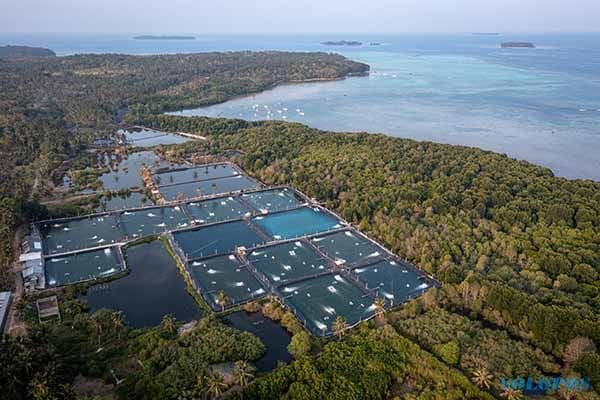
x=164, y=37
x=342, y=43
x=485, y=33
x=508, y=45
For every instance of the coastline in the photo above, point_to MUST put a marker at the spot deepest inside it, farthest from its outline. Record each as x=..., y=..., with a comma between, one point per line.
x=269, y=88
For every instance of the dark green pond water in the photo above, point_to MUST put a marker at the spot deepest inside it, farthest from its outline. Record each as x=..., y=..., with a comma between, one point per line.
x=154, y=287
x=274, y=336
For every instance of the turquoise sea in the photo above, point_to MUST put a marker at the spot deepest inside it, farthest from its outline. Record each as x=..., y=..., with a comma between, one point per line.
x=540, y=105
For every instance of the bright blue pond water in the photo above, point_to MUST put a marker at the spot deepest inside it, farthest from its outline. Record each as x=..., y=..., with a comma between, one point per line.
x=295, y=223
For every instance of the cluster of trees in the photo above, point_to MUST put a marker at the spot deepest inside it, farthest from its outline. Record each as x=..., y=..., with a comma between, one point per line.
x=474, y=348
x=371, y=363
x=156, y=363
x=169, y=366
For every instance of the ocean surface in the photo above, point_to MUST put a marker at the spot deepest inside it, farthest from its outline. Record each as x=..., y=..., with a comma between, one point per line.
x=540, y=105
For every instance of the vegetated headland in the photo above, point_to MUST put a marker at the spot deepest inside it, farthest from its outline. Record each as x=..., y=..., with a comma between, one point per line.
x=20, y=52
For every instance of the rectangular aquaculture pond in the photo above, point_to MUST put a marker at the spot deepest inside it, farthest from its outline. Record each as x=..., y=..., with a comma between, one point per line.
x=82, y=266
x=216, y=239
x=152, y=288
x=295, y=223
x=121, y=202
x=149, y=137
x=317, y=302
x=347, y=247
x=200, y=173
x=224, y=274
x=152, y=220
x=392, y=281
x=273, y=200
x=217, y=210
x=207, y=188
x=125, y=171
x=287, y=261
x=81, y=233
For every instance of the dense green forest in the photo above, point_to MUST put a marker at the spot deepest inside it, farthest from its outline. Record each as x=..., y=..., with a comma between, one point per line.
x=517, y=249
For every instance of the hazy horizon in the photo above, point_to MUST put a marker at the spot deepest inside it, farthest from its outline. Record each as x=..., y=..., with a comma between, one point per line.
x=300, y=17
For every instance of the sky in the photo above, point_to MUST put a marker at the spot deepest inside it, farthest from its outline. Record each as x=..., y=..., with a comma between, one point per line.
x=299, y=16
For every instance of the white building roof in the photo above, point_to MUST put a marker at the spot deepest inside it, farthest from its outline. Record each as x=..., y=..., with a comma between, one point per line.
x=35, y=255
x=4, y=304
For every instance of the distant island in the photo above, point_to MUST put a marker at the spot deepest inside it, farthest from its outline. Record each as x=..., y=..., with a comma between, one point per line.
x=164, y=37
x=17, y=52
x=342, y=43
x=485, y=33
x=374, y=44
x=527, y=45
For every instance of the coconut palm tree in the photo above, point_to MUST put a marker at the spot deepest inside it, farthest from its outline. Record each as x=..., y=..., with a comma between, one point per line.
x=222, y=300
x=118, y=324
x=215, y=386
x=511, y=394
x=482, y=378
x=38, y=387
x=242, y=372
x=379, y=305
x=97, y=327
x=168, y=324
x=339, y=326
